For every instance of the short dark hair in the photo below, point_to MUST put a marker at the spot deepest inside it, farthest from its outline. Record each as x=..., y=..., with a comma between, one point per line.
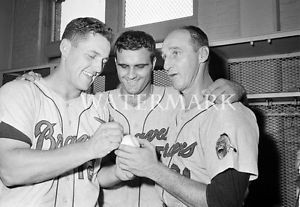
x=199, y=38
x=80, y=27
x=135, y=40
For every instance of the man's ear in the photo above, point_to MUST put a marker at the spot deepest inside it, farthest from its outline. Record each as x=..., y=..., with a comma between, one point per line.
x=65, y=46
x=153, y=63
x=203, y=54
x=116, y=62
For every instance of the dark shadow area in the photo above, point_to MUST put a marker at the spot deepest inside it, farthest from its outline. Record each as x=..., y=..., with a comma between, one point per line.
x=265, y=191
x=7, y=77
x=111, y=76
x=217, y=66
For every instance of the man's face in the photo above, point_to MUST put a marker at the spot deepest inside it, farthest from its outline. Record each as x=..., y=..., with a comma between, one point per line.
x=181, y=59
x=134, y=69
x=84, y=60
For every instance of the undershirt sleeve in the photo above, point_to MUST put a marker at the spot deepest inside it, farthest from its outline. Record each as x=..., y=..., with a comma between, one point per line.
x=227, y=189
x=9, y=132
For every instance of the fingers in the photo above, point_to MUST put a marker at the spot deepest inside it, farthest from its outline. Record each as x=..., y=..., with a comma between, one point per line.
x=112, y=125
x=125, y=151
x=223, y=90
x=106, y=139
x=112, y=130
x=145, y=143
x=216, y=84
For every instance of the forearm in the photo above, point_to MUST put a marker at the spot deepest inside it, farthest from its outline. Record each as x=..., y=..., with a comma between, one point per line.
x=190, y=192
x=21, y=166
x=107, y=176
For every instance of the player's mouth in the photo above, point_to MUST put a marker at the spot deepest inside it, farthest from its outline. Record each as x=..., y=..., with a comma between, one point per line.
x=90, y=74
x=132, y=82
x=172, y=75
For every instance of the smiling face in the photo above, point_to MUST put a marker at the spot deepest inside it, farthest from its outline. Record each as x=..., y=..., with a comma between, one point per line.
x=181, y=59
x=134, y=69
x=84, y=59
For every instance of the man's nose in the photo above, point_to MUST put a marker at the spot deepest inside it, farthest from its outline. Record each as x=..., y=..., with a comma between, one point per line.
x=167, y=64
x=131, y=73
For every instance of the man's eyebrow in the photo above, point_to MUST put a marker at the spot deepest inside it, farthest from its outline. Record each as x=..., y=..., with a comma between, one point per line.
x=144, y=64
x=95, y=52
x=175, y=48
x=121, y=63
x=170, y=48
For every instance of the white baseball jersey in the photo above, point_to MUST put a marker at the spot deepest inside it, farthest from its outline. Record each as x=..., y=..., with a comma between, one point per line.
x=209, y=139
x=148, y=120
x=46, y=122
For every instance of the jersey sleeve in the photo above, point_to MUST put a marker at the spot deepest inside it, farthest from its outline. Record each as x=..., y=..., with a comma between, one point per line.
x=17, y=111
x=231, y=141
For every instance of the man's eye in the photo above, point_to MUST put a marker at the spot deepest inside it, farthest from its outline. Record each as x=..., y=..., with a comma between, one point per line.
x=123, y=66
x=92, y=56
x=175, y=53
x=140, y=66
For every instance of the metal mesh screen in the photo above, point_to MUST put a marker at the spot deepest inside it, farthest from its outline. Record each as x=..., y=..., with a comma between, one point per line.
x=140, y=12
x=267, y=75
x=160, y=78
x=99, y=84
x=281, y=123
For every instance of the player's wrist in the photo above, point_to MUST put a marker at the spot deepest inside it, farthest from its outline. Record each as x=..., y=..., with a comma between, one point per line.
x=154, y=172
x=89, y=150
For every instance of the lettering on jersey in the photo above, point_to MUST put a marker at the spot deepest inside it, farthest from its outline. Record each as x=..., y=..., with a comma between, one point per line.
x=182, y=149
x=154, y=133
x=44, y=131
x=186, y=172
x=90, y=170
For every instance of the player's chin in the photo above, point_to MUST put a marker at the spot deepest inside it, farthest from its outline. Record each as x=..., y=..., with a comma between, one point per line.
x=132, y=90
x=177, y=86
x=85, y=87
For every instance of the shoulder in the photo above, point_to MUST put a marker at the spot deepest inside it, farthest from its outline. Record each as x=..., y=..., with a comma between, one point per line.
x=235, y=111
x=234, y=116
x=17, y=89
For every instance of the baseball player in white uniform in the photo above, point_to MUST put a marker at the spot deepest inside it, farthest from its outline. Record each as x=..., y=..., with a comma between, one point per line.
x=144, y=110
x=211, y=150
x=147, y=120
x=52, y=136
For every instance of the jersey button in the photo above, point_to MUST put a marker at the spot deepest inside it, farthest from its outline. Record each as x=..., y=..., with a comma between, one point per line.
x=65, y=200
x=70, y=122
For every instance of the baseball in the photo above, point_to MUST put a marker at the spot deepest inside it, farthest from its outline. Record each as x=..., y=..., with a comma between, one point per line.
x=130, y=140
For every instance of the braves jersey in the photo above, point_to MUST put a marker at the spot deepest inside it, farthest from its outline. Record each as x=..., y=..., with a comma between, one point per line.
x=209, y=139
x=49, y=122
x=147, y=120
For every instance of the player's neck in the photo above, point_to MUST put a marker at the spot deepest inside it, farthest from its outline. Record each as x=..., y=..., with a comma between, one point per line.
x=136, y=99
x=57, y=83
x=193, y=96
